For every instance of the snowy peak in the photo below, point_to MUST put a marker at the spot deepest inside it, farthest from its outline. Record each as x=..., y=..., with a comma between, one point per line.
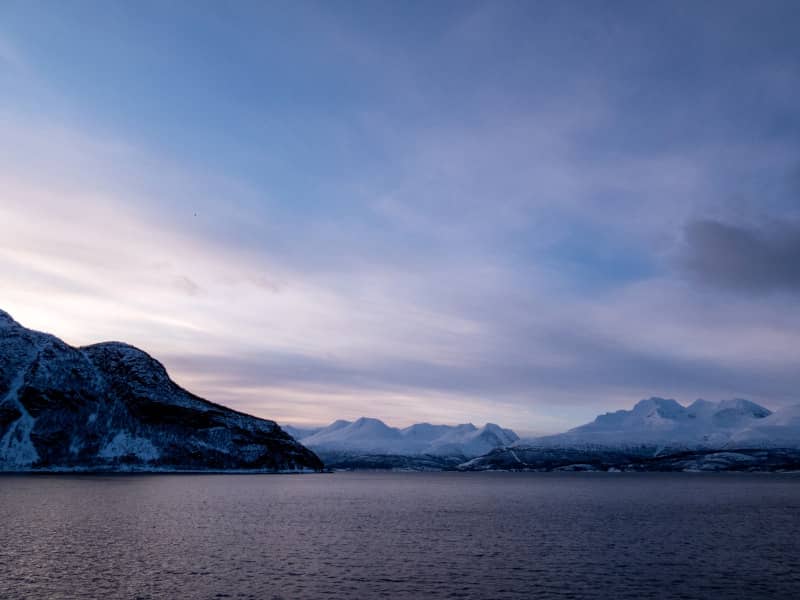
x=661, y=408
x=376, y=426
x=361, y=434
x=739, y=407
x=652, y=413
x=424, y=432
x=474, y=442
x=504, y=437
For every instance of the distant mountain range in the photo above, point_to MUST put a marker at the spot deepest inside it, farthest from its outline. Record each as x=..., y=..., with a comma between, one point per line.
x=373, y=435
x=370, y=443
x=661, y=434
x=667, y=424
x=656, y=434
x=111, y=406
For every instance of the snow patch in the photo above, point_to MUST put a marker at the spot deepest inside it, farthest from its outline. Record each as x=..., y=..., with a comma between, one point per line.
x=16, y=447
x=124, y=444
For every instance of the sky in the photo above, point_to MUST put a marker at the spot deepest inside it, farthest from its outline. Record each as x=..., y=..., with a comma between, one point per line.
x=526, y=213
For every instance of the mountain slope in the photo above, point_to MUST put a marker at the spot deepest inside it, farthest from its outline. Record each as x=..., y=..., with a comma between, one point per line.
x=781, y=429
x=112, y=406
x=300, y=432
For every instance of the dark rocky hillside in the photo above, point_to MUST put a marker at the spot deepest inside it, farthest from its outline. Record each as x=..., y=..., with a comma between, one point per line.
x=111, y=406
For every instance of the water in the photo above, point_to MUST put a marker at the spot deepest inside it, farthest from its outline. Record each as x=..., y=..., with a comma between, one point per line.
x=395, y=535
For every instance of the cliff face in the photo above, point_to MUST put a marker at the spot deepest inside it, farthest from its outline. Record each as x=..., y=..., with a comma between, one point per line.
x=111, y=406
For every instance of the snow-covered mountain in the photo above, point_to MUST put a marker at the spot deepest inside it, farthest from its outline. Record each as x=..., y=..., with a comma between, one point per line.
x=374, y=437
x=660, y=422
x=112, y=406
x=663, y=435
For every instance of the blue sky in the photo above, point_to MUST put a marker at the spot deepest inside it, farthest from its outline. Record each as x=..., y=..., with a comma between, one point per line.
x=454, y=211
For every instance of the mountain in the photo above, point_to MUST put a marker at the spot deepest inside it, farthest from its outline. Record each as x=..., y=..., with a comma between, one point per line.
x=664, y=423
x=470, y=441
x=663, y=435
x=363, y=435
x=370, y=443
x=111, y=406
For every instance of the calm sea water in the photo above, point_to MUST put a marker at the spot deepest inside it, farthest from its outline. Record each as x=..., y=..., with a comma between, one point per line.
x=395, y=535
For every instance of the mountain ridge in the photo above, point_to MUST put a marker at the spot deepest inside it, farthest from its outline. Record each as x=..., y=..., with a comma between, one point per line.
x=664, y=422
x=372, y=436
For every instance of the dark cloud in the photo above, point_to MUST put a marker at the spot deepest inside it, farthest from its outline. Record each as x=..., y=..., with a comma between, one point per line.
x=760, y=260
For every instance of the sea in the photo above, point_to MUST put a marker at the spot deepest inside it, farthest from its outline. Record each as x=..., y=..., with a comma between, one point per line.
x=401, y=535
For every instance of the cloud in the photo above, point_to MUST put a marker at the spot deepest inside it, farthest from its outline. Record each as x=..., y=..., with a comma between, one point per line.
x=748, y=258
x=480, y=230
x=463, y=334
